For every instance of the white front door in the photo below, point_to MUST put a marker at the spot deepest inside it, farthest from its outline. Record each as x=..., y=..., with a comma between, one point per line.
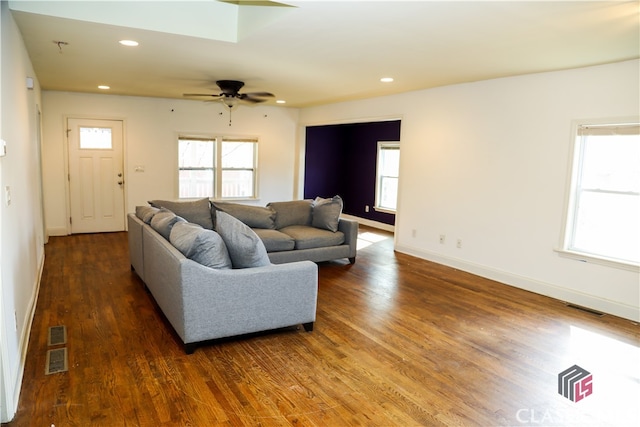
x=96, y=175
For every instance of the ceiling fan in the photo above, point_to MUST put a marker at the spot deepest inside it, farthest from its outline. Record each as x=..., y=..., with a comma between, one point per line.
x=230, y=95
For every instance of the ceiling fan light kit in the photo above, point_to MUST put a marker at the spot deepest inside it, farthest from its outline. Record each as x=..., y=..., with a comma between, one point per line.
x=229, y=101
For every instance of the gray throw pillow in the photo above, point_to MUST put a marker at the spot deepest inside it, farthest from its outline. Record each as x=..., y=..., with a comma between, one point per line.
x=244, y=246
x=203, y=246
x=326, y=213
x=163, y=222
x=253, y=216
x=296, y=212
x=146, y=213
x=196, y=211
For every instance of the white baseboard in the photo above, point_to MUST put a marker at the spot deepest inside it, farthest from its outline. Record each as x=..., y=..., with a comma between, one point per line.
x=563, y=294
x=12, y=406
x=60, y=231
x=370, y=223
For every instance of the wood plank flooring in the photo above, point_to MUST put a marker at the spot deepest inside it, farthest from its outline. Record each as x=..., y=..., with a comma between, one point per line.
x=398, y=341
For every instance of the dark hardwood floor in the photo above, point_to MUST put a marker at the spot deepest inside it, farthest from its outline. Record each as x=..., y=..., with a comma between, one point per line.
x=398, y=341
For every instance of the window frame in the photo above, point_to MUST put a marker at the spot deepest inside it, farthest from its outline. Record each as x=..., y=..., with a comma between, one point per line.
x=217, y=184
x=382, y=145
x=565, y=248
x=221, y=169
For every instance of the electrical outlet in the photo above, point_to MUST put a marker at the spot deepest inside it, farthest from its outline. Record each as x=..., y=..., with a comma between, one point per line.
x=459, y=243
x=442, y=239
x=366, y=208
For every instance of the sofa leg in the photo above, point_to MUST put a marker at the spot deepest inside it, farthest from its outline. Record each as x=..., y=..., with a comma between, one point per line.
x=352, y=260
x=308, y=326
x=190, y=348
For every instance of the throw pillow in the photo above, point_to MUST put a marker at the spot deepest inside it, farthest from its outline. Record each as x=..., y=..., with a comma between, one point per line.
x=164, y=221
x=196, y=211
x=203, y=246
x=244, y=246
x=326, y=213
x=296, y=212
x=146, y=213
x=253, y=216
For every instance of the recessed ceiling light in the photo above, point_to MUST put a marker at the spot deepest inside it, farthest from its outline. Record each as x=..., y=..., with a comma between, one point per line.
x=386, y=79
x=281, y=101
x=128, y=42
x=104, y=87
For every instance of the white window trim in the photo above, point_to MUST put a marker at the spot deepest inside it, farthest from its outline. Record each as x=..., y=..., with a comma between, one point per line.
x=569, y=208
x=217, y=165
x=382, y=145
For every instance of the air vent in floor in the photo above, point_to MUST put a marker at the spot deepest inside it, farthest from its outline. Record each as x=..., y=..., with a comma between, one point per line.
x=57, y=335
x=56, y=361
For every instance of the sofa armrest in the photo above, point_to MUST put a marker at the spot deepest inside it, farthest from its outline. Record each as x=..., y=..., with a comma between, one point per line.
x=136, y=253
x=222, y=303
x=350, y=229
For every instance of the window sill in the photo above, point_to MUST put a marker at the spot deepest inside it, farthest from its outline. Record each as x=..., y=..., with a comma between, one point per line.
x=384, y=210
x=594, y=259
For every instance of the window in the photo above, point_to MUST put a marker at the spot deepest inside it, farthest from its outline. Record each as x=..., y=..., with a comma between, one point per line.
x=603, y=218
x=387, y=171
x=237, y=163
x=95, y=138
x=196, y=167
x=218, y=167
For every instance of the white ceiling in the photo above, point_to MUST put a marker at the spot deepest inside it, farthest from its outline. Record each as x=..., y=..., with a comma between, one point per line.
x=315, y=52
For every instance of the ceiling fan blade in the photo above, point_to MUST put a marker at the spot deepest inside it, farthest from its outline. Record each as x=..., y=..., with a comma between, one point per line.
x=201, y=94
x=258, y=95
x=255, y=97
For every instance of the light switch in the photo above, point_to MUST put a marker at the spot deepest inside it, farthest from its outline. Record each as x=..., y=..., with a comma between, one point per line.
x=7, y=195
x=3, y=147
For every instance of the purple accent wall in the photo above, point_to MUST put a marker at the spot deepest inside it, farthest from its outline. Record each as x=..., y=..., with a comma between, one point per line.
x=341, y=159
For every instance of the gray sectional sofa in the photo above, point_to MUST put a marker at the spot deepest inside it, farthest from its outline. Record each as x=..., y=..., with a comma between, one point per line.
x=210, y=272
x=204, y=303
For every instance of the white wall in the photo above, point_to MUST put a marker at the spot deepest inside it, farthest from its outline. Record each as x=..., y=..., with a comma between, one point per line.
x=21, y=229
x=151, y=129
x=487, y=162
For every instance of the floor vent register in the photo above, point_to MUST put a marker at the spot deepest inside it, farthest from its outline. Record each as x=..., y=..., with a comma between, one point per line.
x=57, y=335
x=57, y=360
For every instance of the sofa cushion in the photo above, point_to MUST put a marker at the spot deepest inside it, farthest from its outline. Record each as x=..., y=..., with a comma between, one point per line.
x=196, y=211
x=203, y=246
x=253, y=216
x=146, y=213
x=244, y=246
x=307, y=237
x=274, y=240
x=325, y=213
x=296, y=212
x=163, y=222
